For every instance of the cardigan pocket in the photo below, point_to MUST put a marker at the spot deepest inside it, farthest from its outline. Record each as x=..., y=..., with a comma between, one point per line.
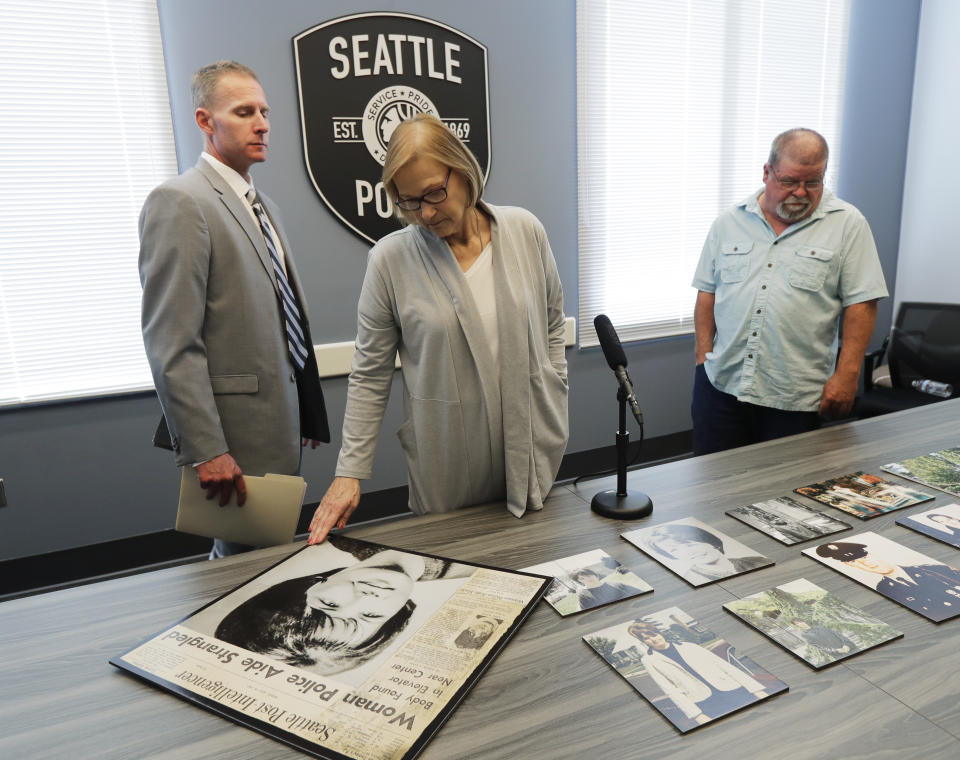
x=434, y=442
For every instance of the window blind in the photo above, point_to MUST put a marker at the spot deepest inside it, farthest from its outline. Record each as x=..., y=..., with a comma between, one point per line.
x=677, y=103
x=87, y=134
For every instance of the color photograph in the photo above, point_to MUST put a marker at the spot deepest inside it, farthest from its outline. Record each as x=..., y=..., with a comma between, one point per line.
x=810, y=622
x=687, y=672
x=863, y=495
x=941, y=523
x=588, y=580
x=918, y=582
x=787, y=520
x=695, y=551
x=938, y=469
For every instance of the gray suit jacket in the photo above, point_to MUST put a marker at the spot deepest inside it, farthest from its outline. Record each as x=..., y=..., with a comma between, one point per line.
x=213, y=333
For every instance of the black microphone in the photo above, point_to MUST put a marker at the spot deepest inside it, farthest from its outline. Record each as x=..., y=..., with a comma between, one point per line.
x=613, y=353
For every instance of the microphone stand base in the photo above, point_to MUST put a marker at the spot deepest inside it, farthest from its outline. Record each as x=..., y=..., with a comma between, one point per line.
x=631, y=506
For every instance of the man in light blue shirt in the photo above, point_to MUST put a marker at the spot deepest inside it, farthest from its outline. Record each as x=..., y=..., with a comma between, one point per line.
x=776, y=272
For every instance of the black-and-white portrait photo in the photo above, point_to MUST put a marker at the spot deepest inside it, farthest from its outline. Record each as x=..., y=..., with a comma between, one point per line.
x=478, y=632
x=334, y=609
x=696, y=552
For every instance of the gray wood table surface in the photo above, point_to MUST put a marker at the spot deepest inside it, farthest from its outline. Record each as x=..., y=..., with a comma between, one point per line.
x=547, y=695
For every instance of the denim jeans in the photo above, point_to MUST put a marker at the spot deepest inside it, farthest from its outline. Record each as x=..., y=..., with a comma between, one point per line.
x=721, y=422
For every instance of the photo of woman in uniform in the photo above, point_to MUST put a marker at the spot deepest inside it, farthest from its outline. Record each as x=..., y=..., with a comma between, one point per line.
x=916, y=581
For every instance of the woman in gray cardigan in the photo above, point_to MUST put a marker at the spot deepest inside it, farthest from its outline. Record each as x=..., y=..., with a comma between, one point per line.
x=469, y=295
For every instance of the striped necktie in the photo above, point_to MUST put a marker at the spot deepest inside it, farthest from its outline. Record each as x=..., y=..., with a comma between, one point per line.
x=293, y=322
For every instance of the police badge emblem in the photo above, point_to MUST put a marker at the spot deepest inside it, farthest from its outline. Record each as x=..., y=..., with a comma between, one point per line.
x=358, y=77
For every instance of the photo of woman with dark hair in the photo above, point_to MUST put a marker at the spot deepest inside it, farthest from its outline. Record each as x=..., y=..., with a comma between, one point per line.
x=475, y=635
x=916, y=581
x=696, y=552
x=337, y=619
x=594, y=589
x=587, y=580
x=941, y=523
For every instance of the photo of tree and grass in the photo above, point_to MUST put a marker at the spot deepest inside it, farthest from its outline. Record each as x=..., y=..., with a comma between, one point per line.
x=810, y=622
x=938, y=469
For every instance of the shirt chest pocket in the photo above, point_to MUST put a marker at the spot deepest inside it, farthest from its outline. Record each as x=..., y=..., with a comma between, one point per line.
x=734, y=260
x=810, y=267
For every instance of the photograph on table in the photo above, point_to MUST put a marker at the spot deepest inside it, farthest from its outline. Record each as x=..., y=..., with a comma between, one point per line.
x=587, y=580
x=687, y=672
x=863, y=495
x=920, y=583
x=344, y=649
x=815, y=625
x=787, y=520
x=941, y=523
x=696, y=552
x=938, y=469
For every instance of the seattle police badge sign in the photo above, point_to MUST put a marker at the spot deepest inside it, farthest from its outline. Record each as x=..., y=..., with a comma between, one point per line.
x=358, y=78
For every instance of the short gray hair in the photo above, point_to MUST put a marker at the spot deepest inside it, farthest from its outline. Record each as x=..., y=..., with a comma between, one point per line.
x=203, y=85
x=819, y=154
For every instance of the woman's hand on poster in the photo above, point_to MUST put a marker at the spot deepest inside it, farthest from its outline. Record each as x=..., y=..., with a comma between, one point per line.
x=338, y=503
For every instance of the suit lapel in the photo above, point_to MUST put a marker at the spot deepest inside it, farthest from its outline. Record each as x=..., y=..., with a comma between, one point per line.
x=237, y=209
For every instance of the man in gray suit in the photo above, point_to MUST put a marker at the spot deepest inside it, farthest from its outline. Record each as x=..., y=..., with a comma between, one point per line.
x=224, y=320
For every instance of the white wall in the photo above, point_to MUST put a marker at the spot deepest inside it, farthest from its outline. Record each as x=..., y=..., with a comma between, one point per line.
x=928, y=268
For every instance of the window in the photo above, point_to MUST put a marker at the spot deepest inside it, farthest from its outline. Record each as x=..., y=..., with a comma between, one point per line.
x=87, y=134
x=677, y=103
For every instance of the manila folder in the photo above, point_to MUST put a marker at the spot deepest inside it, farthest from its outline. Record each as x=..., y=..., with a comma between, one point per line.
x=268, y=517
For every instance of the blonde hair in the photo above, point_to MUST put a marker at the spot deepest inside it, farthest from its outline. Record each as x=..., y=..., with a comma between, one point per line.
x=425, y=136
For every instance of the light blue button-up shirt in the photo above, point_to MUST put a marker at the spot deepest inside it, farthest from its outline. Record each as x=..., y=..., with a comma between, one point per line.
x=778, y=299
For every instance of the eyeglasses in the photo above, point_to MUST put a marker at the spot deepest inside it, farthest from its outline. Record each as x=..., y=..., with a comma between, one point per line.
x=811, y=186
x=433, y=197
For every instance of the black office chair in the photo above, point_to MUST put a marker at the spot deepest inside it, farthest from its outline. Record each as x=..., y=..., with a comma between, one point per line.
x=924, y=344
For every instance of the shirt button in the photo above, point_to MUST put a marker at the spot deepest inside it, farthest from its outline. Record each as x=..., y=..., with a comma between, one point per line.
x=754, y=334
x=749, y=356
x=813, y=253
x=758, y=311
x=775, y=242
x=769, y=265
x=763, y=287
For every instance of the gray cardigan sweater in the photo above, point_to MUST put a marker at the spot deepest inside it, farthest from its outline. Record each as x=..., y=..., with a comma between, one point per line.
x=473, y=432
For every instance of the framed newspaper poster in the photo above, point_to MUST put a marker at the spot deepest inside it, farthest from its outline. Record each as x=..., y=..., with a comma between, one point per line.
x=345, y=650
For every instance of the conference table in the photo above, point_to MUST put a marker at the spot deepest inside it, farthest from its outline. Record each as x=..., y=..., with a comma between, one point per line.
x=547, y=695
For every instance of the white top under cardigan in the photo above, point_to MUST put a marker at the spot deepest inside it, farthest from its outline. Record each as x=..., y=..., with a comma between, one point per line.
x=480, y=279
x=415, y=299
